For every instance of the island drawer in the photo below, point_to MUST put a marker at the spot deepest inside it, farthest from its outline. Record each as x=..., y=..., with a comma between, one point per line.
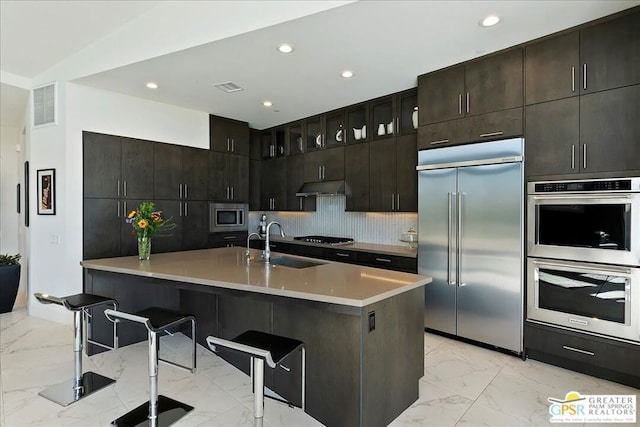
x=229, y=238
x=390, y=262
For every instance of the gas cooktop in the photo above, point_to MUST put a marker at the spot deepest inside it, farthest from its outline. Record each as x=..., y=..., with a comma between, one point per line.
x=325, y=240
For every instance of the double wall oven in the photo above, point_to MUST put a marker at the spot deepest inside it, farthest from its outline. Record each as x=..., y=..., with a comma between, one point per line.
x=583, y=247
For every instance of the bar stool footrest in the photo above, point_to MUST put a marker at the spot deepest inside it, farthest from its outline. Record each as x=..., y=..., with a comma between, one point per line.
x=63, y=393
x=169, y=411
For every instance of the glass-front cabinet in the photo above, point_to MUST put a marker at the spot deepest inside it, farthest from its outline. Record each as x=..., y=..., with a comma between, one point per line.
x=315, y=134
x=273, y=143
x=296, y=139
x=335, y=128
x=357, y=129
x=394, y=115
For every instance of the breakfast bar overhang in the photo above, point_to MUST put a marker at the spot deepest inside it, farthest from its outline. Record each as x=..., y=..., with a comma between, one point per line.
x=362, y=327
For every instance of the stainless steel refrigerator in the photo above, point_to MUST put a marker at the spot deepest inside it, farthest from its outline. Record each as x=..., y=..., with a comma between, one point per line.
x=471, y=240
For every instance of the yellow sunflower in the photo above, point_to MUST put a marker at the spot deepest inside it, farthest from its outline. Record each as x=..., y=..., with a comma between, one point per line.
x=143, y=223
x=131, y=214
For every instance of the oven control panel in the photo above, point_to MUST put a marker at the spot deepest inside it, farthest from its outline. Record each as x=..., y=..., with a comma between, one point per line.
x=601, y=185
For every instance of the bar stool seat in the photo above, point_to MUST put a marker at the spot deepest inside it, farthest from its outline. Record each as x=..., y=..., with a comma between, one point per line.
x=262, y=347
x=82, y=384
x=159, y=410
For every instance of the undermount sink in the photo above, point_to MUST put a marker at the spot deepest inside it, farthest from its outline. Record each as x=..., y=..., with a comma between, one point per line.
x=294, y=262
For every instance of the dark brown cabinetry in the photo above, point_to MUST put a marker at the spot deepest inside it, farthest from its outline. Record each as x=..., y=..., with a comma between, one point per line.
x=324, y=165
x=274, y=143
x=227, y=239
x=392, y=175
x=601, y=57
x=356, y=177
x=274, y=184
x=295, y=180
x=228, y=177
x=473, y=102
x=228, y=135
x=117, y=167
x=592, y=133
x=601, y=357
x=489, y=84
x=179, y=172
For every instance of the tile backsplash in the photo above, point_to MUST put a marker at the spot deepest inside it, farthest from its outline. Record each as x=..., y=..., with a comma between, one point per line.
x=330, y=219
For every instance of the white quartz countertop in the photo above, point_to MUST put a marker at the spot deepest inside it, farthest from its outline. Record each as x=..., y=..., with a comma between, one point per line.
x=331, y=282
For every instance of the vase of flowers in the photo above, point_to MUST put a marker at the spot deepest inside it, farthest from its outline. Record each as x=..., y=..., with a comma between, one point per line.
x=147, y=222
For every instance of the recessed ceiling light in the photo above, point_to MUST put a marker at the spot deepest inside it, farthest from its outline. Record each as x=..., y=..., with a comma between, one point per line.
x=285, y=48
x=489, y=21
x=347, y=74
x=267, y=103
x=152, y=85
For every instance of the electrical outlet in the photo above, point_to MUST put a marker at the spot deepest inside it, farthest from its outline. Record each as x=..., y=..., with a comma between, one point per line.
x=372, y=321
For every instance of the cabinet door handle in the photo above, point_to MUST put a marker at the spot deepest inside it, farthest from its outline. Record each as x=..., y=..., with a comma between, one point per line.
x=232, y=195
x=573, y=79
x=468, y=102
x=118, y=208
x=460, y=104
x=118, y=190
x=300, y=198
x=440, y=141
x=398, y=201
x=383, y=260
x=324, y=172
x=577, y=350
x=486, y=135
x=180, y=191
x=125, y=188
x=393, y=202
x=233, y=145
x=186, y=191
x=227, y=192
x=319, y=172
x=342, y=255
x=396, y=130
x=228, y=145
x=124, y=208
x=180, y=208
x=186, y=208
x=573, y=156
x=584, y=76
x=229, y=237
x=584, y=156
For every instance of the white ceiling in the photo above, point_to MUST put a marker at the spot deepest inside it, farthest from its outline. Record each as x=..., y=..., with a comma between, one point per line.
x=386, y=43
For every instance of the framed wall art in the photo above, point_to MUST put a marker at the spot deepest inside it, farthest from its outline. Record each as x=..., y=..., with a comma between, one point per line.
x=46, y=191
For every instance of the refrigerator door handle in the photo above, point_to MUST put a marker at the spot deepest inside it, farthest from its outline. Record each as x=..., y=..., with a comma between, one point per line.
x=459, y=240
x=449, y=239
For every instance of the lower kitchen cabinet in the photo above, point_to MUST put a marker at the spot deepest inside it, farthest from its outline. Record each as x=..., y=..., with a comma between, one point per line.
x=226, y=239
x=389, y=262
x=604, y=358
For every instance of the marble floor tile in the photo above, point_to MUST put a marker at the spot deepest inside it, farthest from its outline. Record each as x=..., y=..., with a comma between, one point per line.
x=464, y=385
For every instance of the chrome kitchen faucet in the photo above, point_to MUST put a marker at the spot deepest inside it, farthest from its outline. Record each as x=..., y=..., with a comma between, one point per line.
x=267, y=249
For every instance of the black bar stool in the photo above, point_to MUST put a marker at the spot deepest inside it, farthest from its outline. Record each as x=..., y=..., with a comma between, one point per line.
x=262, y=347
x=82, y=384
x=159, y=410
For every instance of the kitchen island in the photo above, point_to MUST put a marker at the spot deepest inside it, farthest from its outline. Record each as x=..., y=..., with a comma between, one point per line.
x=362, y=327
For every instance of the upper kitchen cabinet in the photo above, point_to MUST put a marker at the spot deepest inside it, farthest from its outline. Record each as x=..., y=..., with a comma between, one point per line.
x=274, y=142
x=393, y=178
x=356, y=119
x=493, y=83
x=600, y=57
x=180, y=172
x=117, y=167
x=296, y=138
x=335, y=128
x=394, y=115
x=255, y=144
x=314, y=137
x=228, y=135
x=356, y=177
x=228, y=177
x=589, y=134
x=295, y=180
x=273, y=191
x=324, y=165
x=551, y=69
x=610, y=54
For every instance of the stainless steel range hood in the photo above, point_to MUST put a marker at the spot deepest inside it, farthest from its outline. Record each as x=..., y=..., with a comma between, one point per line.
x=324, y=188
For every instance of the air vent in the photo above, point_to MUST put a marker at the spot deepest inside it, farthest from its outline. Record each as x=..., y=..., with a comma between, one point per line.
x=44, y=105
x=228, y=87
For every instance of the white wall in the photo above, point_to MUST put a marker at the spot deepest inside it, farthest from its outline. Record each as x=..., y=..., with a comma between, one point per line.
x=55, y=267
x=9, y=175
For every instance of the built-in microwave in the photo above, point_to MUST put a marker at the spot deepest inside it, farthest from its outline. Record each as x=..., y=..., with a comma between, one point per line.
x=228, y=217
x=585, y=220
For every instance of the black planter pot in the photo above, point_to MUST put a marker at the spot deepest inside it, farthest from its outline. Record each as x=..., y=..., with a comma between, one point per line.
x=9, y=281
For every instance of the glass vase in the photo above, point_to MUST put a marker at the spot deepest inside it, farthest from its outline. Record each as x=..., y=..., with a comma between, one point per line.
x=144, y=248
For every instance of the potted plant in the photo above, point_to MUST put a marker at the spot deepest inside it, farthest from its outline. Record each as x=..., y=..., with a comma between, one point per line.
x=9, y=281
